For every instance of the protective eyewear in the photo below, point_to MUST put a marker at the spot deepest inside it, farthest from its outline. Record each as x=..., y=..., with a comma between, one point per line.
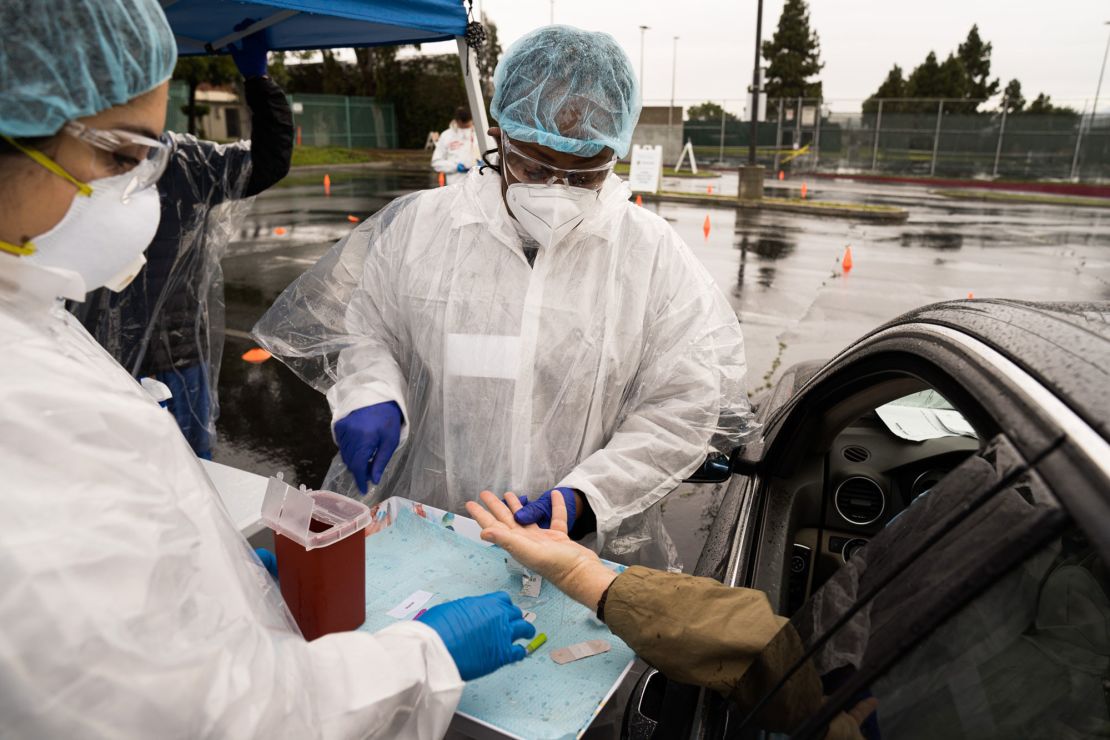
x=531, y=171
x=127, y=152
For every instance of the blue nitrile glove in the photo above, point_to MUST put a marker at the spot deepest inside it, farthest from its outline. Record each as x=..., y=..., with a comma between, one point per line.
x=367, y=438
x=479, y=632
x=539, y=511
x=250, y=52
x=268, y=559
x=460, y=167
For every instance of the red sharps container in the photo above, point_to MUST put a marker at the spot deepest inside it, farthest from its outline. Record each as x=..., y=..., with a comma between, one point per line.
x=320, y=544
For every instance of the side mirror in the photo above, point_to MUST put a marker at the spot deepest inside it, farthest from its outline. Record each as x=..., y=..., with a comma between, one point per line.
x=715, y=469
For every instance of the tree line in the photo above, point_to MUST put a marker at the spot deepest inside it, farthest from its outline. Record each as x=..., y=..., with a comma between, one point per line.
x=793, y=65
x=424, y=89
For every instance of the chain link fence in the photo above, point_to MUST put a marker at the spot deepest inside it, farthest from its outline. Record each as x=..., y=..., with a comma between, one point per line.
x=919, y=137
x=341, y=120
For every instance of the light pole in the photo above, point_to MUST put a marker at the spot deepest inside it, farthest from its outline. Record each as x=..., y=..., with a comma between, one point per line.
x=552, y=12
x=755, y=85
x=751, y=175
x=1101, y=72
x=674, y=73
x=642, y=30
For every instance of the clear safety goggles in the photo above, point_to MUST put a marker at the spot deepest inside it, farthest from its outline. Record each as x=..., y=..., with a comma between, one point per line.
x=531, y=171
x=116, y=152
x=125, y=151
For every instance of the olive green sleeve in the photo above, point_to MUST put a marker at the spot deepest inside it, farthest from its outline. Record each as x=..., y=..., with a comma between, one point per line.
x=698, y=631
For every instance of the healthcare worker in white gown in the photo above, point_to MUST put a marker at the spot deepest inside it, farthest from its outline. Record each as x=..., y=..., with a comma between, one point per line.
x=129, y=604
x=528, y=329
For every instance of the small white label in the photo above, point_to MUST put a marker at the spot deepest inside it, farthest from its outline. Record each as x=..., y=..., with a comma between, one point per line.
x=410, y=605
x=530, y=586
x=530, y=617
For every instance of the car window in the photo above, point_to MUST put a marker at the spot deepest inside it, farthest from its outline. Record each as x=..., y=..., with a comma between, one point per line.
x=1029, y=658
x=952, y=544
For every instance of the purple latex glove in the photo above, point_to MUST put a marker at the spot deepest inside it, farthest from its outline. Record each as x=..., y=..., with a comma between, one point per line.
x=479, y=632
x=250, y=53
x=539, y=511
x=367, y=438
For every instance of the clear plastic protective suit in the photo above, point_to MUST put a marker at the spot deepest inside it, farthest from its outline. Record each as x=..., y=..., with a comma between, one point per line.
x=571, y=90
x=612, y=366
x=67, y=59
x=169, y=322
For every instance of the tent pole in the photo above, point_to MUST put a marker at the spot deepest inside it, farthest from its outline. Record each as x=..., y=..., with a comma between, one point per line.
x=217, y=46
x=473, y=82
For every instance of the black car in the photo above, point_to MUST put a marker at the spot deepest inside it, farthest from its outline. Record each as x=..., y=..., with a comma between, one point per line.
x=960, y=576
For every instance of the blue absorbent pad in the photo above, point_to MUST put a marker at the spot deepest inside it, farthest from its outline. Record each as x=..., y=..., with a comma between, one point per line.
x=535, y=698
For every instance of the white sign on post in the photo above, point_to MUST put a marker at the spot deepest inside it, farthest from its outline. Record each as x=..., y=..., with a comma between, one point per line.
x=646, y=168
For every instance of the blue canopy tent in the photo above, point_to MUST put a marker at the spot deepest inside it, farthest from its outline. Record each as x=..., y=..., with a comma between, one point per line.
x=207, y=27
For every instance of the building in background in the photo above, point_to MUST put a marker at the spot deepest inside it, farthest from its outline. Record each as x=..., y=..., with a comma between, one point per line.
x=657, y=128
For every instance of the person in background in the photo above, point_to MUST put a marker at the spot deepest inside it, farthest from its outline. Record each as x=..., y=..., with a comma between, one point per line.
x=131, y=605
x=168, y=324
x=456, y=151
x=529, y=329
x=694, y=630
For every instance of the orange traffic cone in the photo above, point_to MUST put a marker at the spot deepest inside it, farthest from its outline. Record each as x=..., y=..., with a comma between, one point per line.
x=846, y=263
x=442, y=179
x=705, y=227
x=327, y=184
x=970, y=295
x=639, y=200
x=782, y=175
x=709, y=189
x=804, y=191
x=352, y=218
x=279, y=231
x=256, y=355
x=298, y=135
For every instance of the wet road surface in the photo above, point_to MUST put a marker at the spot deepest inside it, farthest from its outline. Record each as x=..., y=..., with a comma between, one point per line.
x=781, y=273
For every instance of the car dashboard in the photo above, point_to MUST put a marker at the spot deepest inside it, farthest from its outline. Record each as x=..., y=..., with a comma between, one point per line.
x=868, y=476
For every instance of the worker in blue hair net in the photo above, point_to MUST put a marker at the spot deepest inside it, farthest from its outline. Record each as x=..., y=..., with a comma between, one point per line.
x=131, y=605
x=527, y=329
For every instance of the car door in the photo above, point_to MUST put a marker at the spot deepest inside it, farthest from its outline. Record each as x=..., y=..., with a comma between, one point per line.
x=973, y=557
x=1011, y=413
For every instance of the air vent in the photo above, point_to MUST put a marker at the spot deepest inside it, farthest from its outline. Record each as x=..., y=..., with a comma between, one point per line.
x=859, y=500
x=855, y=453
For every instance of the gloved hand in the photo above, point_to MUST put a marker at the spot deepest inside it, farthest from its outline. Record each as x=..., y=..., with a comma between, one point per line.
x=269, y=560
x=367, y=438
x=250, y=53
x=539, y=511
x=479, y=632
x=460, y=167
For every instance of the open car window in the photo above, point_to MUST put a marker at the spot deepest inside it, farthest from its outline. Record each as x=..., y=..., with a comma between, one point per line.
x=893, y=599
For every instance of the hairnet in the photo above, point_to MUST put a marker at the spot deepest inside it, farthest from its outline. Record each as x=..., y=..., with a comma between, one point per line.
x=65, y=59
x=567, y=89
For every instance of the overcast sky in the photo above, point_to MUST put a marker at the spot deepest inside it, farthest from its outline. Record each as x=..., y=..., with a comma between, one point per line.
x=1055, y=47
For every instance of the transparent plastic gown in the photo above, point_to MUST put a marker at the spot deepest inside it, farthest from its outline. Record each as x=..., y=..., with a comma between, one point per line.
x=613, y=365
x=169, y=323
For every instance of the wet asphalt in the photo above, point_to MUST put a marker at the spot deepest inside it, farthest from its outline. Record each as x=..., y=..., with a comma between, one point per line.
x=780, y=272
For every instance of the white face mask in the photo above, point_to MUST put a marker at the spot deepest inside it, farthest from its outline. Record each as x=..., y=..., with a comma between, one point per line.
x=549, y=212
x=103, y=236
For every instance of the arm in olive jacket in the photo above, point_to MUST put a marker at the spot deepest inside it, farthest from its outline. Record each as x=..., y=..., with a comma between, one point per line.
x=698, y=631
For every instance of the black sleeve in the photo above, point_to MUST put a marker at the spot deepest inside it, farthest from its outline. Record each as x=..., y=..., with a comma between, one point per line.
x=271, y=134
x=585, y=522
